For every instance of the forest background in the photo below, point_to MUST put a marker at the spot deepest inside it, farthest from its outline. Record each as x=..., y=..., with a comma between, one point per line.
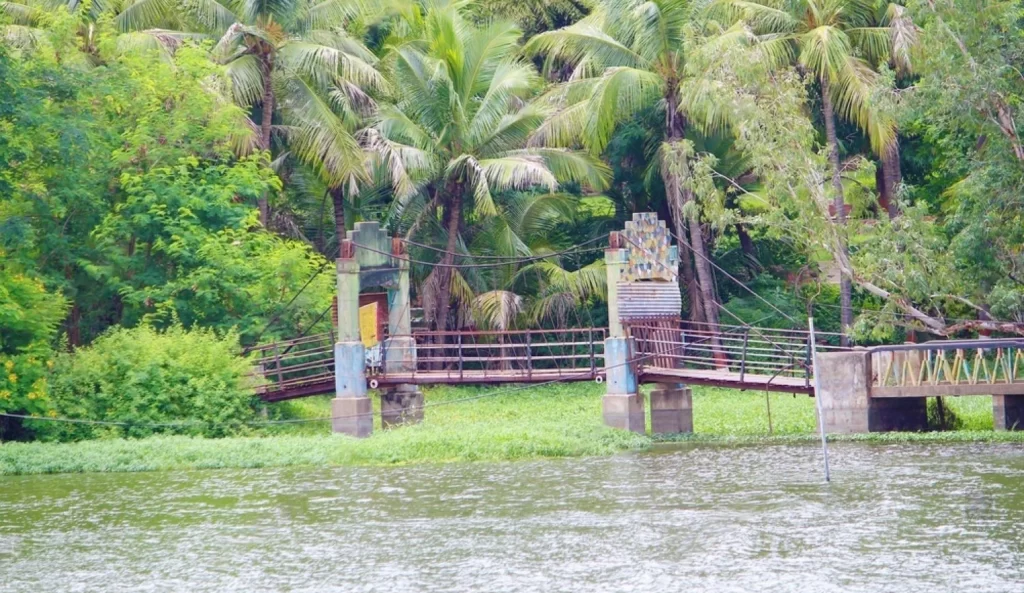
x=176, y=175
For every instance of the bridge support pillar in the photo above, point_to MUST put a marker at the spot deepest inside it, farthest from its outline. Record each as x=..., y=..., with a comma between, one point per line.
x=622, y=405
x=671, y=409
x=846, y=402
x=351, y=409
x=1008, y=412
x=401, y=405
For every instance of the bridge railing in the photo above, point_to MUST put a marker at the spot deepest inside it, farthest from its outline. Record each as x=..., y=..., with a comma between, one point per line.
x=292, y=364
x=733, y=348
x=948, y=367
x=547, y=352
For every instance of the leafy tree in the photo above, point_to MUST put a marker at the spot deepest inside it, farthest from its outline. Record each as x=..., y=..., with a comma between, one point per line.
x=828, y=38
x=284, y=46
x=181, y=248
x=630, y=56
x=29, y=317
x=191, y=382
x=460, y=97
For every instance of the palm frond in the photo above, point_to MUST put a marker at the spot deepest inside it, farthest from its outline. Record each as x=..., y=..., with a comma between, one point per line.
x=21, y=13
x=322, y=62
x=144, y=14
x=497, y=309
x=210, y=15
x=619, y=94
x=246, y=80
x=585, y=40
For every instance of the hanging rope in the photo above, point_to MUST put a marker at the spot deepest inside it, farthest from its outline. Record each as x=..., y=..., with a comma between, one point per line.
x=575, y=249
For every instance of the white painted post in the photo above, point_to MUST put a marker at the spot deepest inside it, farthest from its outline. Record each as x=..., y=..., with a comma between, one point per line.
x=817, y=397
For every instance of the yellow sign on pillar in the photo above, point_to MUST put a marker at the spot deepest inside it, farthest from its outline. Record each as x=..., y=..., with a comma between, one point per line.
x=368, y=325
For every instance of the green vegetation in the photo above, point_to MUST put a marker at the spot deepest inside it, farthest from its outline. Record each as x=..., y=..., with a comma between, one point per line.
x=465, y=424
x=196, y=165
x=191, y=380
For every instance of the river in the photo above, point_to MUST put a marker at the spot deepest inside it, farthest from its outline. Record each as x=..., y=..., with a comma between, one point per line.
x=896, y=518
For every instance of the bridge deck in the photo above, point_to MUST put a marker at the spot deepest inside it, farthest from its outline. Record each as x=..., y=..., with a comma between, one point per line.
x=733, y=380
x=716, y=378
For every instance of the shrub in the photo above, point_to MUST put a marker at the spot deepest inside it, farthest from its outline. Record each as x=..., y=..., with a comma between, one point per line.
x=192, y=379
x=29, y=316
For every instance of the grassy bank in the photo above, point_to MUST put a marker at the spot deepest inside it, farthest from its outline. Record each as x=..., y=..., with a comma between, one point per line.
x=553, y=421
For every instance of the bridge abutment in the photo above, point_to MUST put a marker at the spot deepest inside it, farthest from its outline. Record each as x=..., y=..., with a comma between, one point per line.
x=1008, y=412
x=846, y=403
x=671, y=409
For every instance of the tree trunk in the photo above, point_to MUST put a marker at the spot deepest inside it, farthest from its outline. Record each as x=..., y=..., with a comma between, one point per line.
x=706, y=281
x=675, y=128
x=750, y=260
x=890, y=180
x=845, y=285
x=452, y=219
x=338, y=198
x=679, y=196
x=674, y=196
x=266, y=62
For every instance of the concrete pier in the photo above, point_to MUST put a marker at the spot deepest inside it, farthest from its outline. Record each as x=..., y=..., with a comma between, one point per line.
x=1008, y=412
x=624, y=411
x=846, y=402
x=671, y=409
x=401, y=405
x=622, y=405
x=352, y=416
x=351, y=409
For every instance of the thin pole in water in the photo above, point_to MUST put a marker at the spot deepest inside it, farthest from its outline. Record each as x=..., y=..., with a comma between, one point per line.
x=817, y=397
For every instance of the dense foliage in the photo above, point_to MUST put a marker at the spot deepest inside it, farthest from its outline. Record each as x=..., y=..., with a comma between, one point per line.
x=191, y=381
x=172, y=164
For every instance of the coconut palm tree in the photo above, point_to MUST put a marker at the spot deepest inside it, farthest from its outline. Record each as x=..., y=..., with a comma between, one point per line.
x=837, y=42
x=328, y=124
x=269, y=45
x=460, y=95
x=139, y=24
x=629, y=56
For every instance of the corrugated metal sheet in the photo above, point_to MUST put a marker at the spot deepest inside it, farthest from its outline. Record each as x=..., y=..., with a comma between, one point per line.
x=639, y=300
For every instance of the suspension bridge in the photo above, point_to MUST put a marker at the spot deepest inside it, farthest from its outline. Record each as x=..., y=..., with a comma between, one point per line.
x=645, y=342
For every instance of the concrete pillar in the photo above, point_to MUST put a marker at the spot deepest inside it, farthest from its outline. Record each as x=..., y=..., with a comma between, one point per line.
x=1008, y=412
x=404, y=403
x=671, y=409
x=614, y=264
x=401, y=405
x=622, y=405
x=351, y=409
x=846, y=402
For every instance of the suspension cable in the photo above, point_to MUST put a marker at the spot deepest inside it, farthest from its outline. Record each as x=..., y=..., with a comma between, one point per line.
x=503, y=257
x=737, y=281
x=574, y=249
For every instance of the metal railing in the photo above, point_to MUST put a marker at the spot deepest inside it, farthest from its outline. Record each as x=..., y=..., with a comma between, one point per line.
x=741, y=350
x=294, y=364
x=548, y=353
x=306, y=365
x=948, y=364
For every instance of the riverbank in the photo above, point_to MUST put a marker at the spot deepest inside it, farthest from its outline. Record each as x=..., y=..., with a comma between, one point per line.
x=472, y=424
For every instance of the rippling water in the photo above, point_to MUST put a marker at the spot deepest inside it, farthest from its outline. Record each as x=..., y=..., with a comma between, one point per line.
x=902, y=518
